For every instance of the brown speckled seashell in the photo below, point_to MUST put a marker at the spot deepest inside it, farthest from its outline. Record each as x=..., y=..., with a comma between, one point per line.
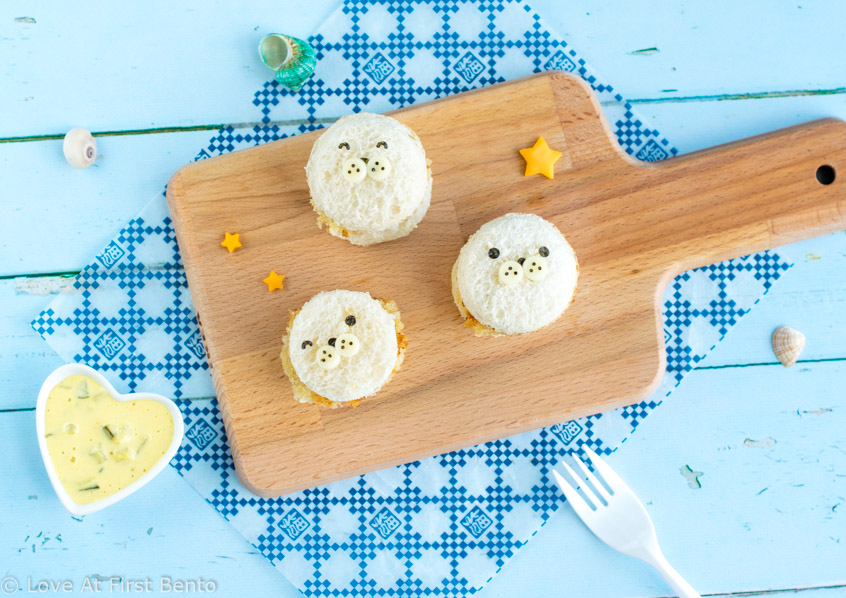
x=788, y=344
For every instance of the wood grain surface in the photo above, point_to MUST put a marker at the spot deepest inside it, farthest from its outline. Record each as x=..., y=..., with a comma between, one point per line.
x=633, y=226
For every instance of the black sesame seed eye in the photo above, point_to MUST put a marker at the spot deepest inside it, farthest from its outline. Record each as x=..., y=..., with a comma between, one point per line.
x=306, y=344
x=382, y=144
x=544, y=252
x=493, y=253
x=343, y=145
x=350, y=321
x=332, y=341
x=521, y=260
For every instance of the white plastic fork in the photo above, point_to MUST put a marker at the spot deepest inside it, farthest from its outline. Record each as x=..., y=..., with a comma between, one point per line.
x=617, y=517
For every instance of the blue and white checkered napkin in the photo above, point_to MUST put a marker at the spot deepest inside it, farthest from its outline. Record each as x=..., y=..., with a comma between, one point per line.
x=442, y=526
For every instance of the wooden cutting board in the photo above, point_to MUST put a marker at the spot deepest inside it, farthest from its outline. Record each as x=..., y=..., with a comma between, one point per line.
x=633, y=226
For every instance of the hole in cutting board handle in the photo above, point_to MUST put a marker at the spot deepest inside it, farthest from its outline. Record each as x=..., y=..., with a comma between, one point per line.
x=826, y=174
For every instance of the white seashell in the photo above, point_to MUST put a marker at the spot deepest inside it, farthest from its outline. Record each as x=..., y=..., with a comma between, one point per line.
x=787, y=345
x=80, y=148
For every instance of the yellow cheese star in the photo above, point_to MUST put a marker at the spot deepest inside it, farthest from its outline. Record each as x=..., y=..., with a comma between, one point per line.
x=232, y=242
x=540, y=159
x=274, y=281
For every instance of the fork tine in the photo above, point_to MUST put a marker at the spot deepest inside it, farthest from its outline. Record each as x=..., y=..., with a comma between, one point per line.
x=604, y=470
x=579, y=504
x=598, y=488
x=569, y=492
x=572, y=495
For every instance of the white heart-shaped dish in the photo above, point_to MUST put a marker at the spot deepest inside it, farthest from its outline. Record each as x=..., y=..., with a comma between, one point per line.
x=76, y=369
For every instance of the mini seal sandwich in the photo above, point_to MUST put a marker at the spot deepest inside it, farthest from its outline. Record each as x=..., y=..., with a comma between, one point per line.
x=514, y=275
x=369, y=179
x=341, y=347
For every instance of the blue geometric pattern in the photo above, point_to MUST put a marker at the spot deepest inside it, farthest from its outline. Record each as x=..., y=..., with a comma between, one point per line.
x=710, y=295
x=436, y=49
x=135, y=317
x=442, y=526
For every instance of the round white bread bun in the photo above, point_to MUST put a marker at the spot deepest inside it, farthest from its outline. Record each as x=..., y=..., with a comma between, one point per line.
x=514, y=275
x=369, y=179
x=341, y=347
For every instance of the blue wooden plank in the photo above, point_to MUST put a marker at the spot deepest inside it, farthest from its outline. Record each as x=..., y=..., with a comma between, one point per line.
x=695, y=125
x=74, y=213
x=771, y=490
x=108, y=66
x=70, y=53
x=719, y=47
x=810, y=297
x=165, y=529
x=25, y=359
x=770, y=510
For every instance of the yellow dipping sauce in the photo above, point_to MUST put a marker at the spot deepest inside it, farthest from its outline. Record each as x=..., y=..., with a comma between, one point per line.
x=100, y=445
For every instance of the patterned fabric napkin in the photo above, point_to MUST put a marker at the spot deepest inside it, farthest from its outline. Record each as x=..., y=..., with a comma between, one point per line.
x=445, y=525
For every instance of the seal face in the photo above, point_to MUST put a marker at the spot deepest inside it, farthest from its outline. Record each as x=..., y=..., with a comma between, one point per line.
x=516, y=274
x=368, y=173
x=343, y=345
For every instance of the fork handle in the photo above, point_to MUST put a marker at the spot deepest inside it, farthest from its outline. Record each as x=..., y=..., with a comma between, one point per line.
x=670, y=575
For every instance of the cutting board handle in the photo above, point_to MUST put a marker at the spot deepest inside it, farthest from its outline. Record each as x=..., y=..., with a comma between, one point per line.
x=707, y=206
x=753, y=194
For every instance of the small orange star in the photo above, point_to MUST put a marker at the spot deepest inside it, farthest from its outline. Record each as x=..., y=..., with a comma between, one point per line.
x=274, y=281
x=232, y=242
x=540, y=159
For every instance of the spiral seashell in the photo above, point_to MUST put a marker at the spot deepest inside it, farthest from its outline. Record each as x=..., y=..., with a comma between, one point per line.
x=292, y=59
x=787, y=345
x=79, y=148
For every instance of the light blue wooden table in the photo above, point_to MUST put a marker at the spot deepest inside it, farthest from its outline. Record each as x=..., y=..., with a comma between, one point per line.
x=770, y=443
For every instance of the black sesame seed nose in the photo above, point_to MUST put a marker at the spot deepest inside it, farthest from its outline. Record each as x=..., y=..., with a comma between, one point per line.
x=332, y=341
x=544, y=252
x=350, y=321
